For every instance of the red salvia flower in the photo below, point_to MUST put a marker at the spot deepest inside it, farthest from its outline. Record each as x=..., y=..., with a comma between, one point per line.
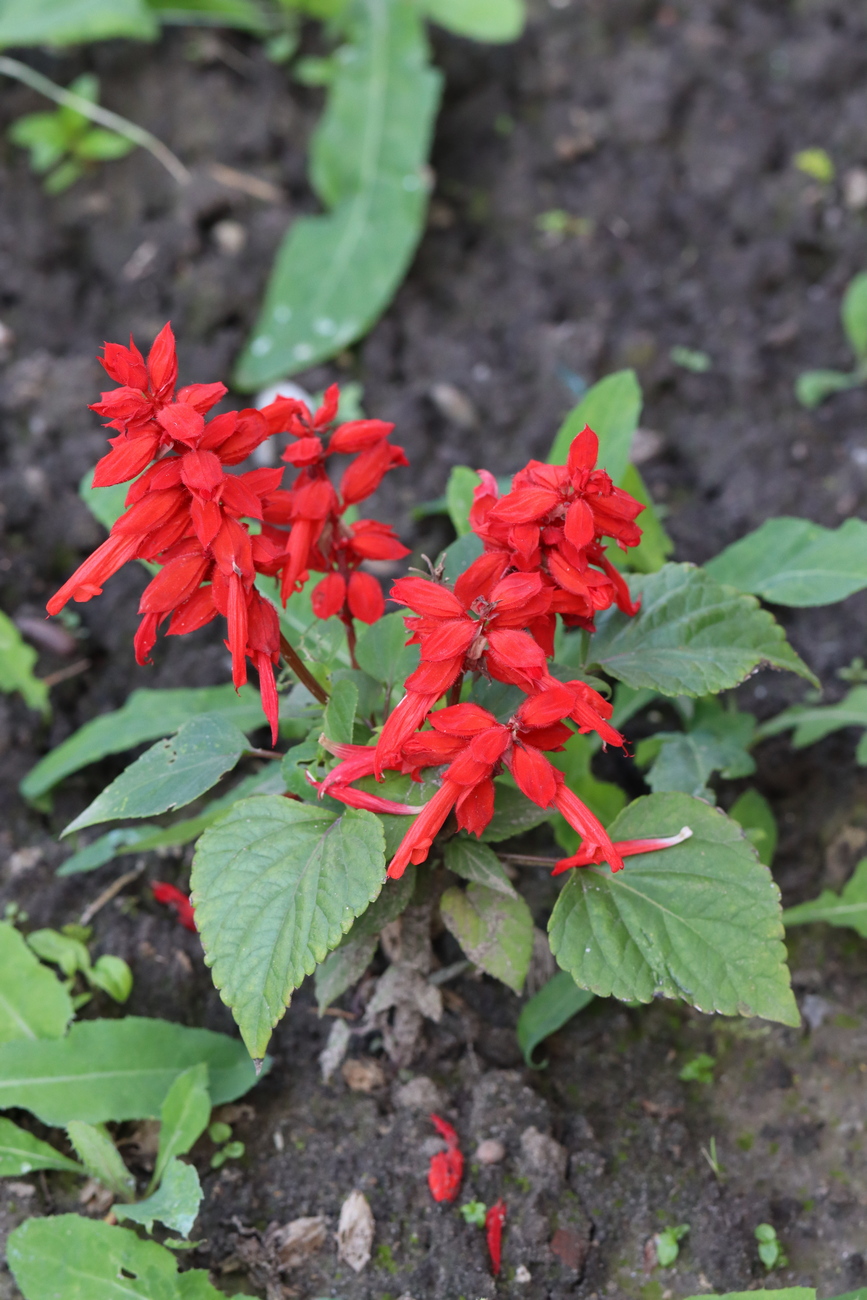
x=591, y=854
x=553, y=522
x=476, y=746
x=446, y=1168
x=177, y=900
x=495, y=1221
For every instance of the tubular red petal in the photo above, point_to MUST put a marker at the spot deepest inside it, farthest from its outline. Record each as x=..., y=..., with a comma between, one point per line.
x=417, y=841
x=306, y=451
x=366, y=601
x=88, y=578
x=445, y=1173
x=372, y=802
x=581, y=819
x=550, y=705
x=145, y=637
x=237, y=620
x=237, y=498
x=366, y=472
x=207, y=520
x=154, y=509
x=517, y=649
x=177, y=901
x=403, y=720
x=591, y=854
x=268, y=691
x=445, y=1130
x=475, y=807
x=375, y=541
x=328, y=409
x=450, y=639
x=124, y=365
x=434, y=679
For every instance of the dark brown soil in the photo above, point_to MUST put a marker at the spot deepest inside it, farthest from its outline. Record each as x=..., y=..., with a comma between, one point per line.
x=670, y=128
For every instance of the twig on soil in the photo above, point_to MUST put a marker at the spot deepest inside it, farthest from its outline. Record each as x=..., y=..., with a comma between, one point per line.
x=335, y=1011
x=108, y=894
x=96, y=113
x=63, y=674
x=247, y=184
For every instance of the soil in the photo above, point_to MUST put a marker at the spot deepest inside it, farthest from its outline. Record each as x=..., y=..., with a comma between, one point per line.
x=666, y=132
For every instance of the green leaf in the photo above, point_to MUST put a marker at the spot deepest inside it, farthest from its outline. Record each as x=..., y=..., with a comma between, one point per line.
x=383, y=653
x=112, y=975
x=117, y=1069
x=847, y=909
x=392, y=899
x=74, y=22
x=63, y=176
x=101, y=1158
x=17, y=659
x=459, y=497
x=717, y=741
x=89, y=1260
x=100, y=145
x=815, y=722
x=335, y=274
x=692, y=636
x=612, y=408
x=813, y=386
x=69, y=954
x=700, y=921
x=466, y=857
x=495, y=21
x=276, y=885
x=547, y=1011
x=147, y=715
x=184, y=1117
x=343, y=968
x=106, y=504
x=22, y=1153
x=794, y=562
x=853, y=313
x=175, y=1204
x=339, y=716
x=514, y=813
x=170, y=774
x=494, y=930
x=33, y=1002
x=141, y=839
x=690, y=359
x=753, y=812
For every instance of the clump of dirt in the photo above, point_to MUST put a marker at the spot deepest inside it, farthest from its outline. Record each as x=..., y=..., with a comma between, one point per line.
x=662, y=134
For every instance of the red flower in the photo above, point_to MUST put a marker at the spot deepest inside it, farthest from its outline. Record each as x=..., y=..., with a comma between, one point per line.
x=178, y=902
x=553, y=521
x=476, y=746
x=477, y=627
x=446, y=1167
x=590, y=854
x=495, y=1220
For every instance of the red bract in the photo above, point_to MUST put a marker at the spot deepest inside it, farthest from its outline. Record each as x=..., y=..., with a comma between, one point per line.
x=495, y=1220
x=446, y=1168
x=178, y=901
x=553, y=522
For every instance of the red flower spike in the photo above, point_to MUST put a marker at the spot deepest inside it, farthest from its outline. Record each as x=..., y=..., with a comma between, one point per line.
x=178, y=901
x=495, y=1221
x=591, y=854
x=446, y=1169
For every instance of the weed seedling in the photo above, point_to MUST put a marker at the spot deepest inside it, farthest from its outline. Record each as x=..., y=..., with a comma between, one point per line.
x=668, y=1244
x=813, y=386
x=63, y=143
x=699, y=1069
x=770, y=1248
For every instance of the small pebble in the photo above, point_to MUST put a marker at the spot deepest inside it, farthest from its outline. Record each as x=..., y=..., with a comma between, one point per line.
x=230, y=237
x=523, y=1274
x=490, y=1152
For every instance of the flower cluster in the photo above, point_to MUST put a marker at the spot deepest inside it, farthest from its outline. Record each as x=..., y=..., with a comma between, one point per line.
x=188, y=515
x=543, y=556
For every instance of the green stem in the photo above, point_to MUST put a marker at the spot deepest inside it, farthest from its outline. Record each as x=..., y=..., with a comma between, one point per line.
x=301, y=671
x=104, y=116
